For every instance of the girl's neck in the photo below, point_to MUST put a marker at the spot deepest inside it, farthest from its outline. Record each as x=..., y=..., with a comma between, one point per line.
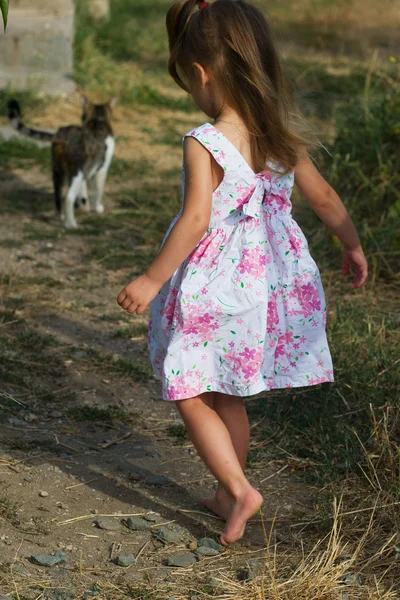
x=229, y=116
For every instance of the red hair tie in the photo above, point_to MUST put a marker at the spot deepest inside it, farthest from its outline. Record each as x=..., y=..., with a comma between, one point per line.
x=203, y=4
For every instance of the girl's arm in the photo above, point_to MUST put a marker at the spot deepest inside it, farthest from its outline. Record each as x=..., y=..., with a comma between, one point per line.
x=184, y=236
x=328, y=206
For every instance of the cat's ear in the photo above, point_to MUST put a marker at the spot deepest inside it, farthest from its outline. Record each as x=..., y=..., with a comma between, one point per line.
x=112, y=103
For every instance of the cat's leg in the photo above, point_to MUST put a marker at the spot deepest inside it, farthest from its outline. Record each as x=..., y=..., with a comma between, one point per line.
x=73, y=192
x=58, y=177
x=101, y=175
x=84, y=196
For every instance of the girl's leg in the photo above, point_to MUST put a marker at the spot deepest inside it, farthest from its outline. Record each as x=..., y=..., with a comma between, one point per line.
x=233, y=413
x=213, y=442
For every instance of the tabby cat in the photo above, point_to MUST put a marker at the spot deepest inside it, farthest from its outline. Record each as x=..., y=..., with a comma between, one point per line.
x=79, y=154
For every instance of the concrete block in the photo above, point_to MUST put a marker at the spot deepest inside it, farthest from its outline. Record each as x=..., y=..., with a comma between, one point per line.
x=37, y=49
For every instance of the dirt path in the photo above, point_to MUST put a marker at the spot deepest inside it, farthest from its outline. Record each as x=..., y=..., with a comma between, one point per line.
x=79, y=379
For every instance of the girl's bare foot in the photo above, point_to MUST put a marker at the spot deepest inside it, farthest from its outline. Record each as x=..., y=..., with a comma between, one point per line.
x=220, y=504
x=244, y=507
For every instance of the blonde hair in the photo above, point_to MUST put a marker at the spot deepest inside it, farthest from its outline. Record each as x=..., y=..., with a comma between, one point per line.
x=233, y=41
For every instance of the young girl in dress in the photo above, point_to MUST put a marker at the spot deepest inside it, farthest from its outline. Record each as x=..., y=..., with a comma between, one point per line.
x=237, y=304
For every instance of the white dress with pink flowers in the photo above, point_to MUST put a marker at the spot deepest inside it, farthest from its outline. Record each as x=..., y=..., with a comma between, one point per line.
x=246, y=311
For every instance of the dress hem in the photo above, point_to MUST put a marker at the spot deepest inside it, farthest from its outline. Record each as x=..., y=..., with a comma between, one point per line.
x=263, y=386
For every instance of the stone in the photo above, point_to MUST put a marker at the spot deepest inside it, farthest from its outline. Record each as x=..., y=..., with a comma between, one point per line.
x=43, y=494
x=181, y=560
x=252, y=570
x=152, y=517
x=49, y=560
x=20, y=569
x=209, y=543
x=213, y=582
x=138, y=524
x=125, y=560
x=351, y=578
x=79, y=354
x=152, y=453
x=17, y=422
x=56, y=414
x=203, y=552
x=28, y=478
x=60, y=594
x=107, y=524
x=168, y=536
x=157, y=480
x=5, y=598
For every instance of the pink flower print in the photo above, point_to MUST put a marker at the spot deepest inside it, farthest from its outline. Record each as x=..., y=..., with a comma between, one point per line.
x=289, y=385
x=249, y=354
x=279, y=351
x=249, y=332
x=231, y=344
x=329, y=372
x=296, y=346
x=239, y=321
x=314, y=323
x=287, y=338
x=273, y=318
x=285, y=369
x=303, y=339
x=301, y=353
x=292, y=364
x=258, y=293
x=320, y=363
x=204, y=291
x=196, y=344
x=289, y=355
x=204, y=357
x=198, y=374
x=248, y=371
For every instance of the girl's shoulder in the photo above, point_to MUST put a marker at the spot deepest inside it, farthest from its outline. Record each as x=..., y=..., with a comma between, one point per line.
x=204, y=130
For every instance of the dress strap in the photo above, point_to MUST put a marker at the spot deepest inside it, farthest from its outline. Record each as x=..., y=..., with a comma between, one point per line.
x=214, y=143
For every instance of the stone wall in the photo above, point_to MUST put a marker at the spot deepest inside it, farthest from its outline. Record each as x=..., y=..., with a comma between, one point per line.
x=37, y=49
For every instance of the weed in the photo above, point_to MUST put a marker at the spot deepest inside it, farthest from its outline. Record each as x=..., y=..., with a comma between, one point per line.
x=140, y=593
x=91, y=413
x=8, y=509
x=178, y=431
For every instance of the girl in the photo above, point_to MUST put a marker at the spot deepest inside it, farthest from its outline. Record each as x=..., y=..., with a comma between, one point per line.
x=237, y=305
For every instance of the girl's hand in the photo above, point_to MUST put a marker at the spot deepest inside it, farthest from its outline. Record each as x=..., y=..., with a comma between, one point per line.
x=356, y=258
x=138, y=294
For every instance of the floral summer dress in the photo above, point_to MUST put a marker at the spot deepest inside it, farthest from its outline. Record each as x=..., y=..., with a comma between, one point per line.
x=246, y=311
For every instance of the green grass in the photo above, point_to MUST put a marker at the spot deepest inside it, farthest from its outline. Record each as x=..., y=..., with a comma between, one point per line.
x=318, y=424
x=132, y=331
x=22, y=153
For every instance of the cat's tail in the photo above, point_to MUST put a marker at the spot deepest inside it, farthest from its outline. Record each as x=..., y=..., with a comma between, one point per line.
x=14, y=115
